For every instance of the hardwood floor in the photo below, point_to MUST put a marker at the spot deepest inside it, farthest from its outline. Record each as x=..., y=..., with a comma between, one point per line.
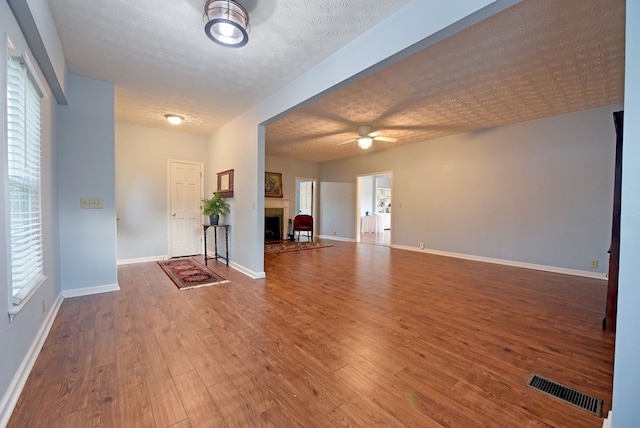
x=382, y=238
x=349, y=335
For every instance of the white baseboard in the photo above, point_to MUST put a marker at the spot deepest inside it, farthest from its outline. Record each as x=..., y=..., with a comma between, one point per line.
x=553, y=269
x=87, y=291
x=142, y=260
x=14, y=390
x=251, y=274
x=608, y=422
x=336, y=238
x=248, y=272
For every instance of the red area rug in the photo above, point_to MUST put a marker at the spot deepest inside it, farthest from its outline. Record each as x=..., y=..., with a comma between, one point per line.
x=187, y=273
x=287, y=246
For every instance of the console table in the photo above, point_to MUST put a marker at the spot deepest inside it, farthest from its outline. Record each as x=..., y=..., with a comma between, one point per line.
x=215, y=242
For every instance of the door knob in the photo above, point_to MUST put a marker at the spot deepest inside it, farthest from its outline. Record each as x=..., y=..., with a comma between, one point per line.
x=174, y=214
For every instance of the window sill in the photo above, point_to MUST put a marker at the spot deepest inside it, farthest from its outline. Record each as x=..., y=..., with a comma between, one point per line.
x=15, y=309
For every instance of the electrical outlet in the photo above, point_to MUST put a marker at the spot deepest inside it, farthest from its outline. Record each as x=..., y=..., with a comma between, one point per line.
x=91, y=203
x=422, y=245
x=594, y=263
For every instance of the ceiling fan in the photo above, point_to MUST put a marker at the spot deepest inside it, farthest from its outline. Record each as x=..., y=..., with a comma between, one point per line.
x=366, y=137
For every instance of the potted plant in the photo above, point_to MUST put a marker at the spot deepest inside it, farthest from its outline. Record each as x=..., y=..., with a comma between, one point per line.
x=215, y=207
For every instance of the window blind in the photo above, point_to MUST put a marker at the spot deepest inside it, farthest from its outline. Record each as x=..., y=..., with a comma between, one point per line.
x=24, y=170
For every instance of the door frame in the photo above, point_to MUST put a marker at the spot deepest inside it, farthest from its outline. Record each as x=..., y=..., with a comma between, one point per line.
x=359, y=205
x=168, y=207
x=314, y=212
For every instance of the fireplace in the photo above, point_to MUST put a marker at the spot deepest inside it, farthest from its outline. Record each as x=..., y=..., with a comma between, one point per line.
x=273, y=224
x=276, y=219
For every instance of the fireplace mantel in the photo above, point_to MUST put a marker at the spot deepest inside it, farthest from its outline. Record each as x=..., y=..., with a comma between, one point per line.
x=276, y=203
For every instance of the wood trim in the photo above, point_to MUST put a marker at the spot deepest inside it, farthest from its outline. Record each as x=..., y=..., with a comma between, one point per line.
x=611, y=313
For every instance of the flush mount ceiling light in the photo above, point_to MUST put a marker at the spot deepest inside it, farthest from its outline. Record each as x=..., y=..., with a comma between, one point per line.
x=227, y=23
x=365, y=142
x=174, y=119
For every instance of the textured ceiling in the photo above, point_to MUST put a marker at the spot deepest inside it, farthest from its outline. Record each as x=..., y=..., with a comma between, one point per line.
x=536, y=59
x=160, y=60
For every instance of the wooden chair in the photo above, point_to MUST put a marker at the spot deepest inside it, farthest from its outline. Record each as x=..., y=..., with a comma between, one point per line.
x=303, y=223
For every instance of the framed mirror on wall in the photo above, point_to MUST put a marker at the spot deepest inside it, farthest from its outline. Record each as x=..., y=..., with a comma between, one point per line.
x=225, y=183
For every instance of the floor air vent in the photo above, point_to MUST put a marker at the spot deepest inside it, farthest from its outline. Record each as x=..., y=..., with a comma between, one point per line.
x=585, y=402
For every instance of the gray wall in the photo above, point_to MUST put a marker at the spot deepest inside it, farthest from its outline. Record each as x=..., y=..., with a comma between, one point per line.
x=536, y=192
x=86, y=169
x=17, y=336
x=365, y=51
x=141, y=186
x=338, y=209
x=626, y=375
x=240, y=143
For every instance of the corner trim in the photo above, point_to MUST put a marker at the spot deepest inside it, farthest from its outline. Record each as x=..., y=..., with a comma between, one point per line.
x=553, y=269
x=248, y=272
x=14, y=390
x=87, y=291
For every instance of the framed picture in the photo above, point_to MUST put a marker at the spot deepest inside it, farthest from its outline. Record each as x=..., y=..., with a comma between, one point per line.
x=225, y=183
x=273, y=184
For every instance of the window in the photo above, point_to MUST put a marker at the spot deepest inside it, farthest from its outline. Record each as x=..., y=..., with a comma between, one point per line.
x=23, y=169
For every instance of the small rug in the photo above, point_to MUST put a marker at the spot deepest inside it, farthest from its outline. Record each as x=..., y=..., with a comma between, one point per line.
x=287, y=246
x=187, y=273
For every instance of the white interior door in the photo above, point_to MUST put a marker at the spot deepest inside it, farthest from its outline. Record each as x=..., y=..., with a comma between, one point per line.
x=306, y=197
x=185, y=219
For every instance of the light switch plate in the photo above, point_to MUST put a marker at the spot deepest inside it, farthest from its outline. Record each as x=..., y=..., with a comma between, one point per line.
x=91, y=203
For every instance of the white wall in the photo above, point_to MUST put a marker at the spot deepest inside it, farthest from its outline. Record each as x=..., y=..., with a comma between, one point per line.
x=234, y=147
x=626, y=374
x=27, y=327
x=86, y=169
x=367, y=195
x=141, y=186
x=538, y=192
x=290, y=169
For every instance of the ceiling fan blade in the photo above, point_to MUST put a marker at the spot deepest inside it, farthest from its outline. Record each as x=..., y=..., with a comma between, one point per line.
x=386, y=139
x=347, y=142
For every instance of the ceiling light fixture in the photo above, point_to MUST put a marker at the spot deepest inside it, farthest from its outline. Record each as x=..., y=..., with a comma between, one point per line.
x=227, y=23
x=174, y=119
x=365, y=142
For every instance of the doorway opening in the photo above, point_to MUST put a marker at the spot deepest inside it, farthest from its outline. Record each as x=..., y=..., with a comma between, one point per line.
x=374, y=209
x=305, y=196
x=306, y=199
